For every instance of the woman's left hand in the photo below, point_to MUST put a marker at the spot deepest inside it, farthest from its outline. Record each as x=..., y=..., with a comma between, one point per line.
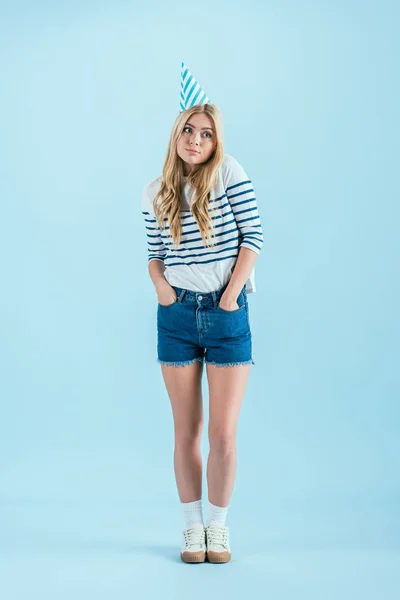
x=228, y=303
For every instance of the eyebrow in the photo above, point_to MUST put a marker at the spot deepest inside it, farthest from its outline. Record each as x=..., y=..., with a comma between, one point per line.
x=195, y=127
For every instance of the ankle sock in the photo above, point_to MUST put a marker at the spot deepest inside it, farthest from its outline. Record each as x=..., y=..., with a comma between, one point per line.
x=216, y=513
x=193, y=513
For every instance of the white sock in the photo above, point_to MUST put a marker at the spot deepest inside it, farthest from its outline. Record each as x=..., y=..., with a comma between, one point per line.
x=193, y=513
x=216, y=513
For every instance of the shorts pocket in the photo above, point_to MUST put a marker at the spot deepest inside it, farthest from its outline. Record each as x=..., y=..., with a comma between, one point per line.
x=168, y=305
x=241, y=300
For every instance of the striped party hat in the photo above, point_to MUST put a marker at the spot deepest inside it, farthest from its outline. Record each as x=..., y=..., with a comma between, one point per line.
x=191, y=91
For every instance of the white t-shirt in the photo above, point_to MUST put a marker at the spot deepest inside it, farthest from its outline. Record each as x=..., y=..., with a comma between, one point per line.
x=233, y=208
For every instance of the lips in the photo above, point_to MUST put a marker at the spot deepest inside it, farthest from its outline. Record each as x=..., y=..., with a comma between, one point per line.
x=192, y=151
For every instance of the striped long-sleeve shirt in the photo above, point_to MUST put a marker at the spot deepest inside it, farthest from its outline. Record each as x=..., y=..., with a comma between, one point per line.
x=233, y=208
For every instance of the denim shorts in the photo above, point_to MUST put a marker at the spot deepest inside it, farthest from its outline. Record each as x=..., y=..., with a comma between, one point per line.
x=195, y=328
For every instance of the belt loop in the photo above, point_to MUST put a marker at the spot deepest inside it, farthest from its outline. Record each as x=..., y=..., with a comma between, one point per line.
x=214, y=297
x=180, y=297
x=219, y=293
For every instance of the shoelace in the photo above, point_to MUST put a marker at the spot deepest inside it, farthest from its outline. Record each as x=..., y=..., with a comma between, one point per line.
x=217, y=535
x=194, y=536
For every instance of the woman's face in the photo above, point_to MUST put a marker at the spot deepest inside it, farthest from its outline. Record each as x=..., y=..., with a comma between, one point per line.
x=197, y=141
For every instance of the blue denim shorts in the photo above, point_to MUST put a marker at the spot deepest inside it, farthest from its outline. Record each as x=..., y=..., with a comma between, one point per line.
x=195, y=328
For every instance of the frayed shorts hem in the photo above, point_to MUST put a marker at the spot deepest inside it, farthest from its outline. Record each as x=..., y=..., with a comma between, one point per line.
x=231, y=364
x=181, y=363
x=184, y=363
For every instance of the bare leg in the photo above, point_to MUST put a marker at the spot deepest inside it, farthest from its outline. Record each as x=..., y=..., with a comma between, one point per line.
x=184, y=389
x=227, y=387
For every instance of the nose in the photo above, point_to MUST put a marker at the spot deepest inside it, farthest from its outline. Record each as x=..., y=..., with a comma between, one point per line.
x=195, y=138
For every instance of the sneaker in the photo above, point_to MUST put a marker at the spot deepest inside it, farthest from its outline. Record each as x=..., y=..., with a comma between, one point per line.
x=194, y=544
x=217, y=536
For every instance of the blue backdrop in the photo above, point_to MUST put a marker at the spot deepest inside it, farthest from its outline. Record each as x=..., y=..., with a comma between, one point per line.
x=309, y=92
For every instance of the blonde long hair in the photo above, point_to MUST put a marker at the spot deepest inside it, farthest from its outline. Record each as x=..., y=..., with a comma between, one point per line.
x=202, y=178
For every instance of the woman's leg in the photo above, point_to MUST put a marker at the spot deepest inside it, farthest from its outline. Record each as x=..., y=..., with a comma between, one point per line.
x=184, y=390
x=227, y=386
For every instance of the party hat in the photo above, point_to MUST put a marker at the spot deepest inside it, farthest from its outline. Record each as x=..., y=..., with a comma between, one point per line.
x=191, y=91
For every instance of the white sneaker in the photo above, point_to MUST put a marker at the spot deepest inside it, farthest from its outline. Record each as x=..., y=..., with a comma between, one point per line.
x=194, y=544
x=217, y=536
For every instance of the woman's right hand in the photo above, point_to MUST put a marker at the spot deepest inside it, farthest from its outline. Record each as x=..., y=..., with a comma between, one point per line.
x=166, y=294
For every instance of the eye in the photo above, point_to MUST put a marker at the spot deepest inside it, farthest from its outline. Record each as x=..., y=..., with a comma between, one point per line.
x=189, y=129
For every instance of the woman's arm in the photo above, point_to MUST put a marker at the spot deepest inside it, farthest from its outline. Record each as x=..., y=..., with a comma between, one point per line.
x=156, y=272
x=243, y=268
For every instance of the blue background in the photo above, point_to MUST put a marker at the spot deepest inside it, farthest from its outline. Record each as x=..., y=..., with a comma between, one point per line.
x=309, y=93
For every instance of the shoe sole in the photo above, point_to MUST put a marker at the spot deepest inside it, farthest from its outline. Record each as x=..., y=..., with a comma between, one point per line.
x=193, y=557
x=218, y=557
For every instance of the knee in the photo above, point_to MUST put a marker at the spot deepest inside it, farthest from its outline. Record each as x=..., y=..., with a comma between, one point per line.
x=222, y=441
x=189, y=437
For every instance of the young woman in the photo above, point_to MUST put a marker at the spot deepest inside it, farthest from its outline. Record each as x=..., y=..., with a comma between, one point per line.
x=204, y=234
